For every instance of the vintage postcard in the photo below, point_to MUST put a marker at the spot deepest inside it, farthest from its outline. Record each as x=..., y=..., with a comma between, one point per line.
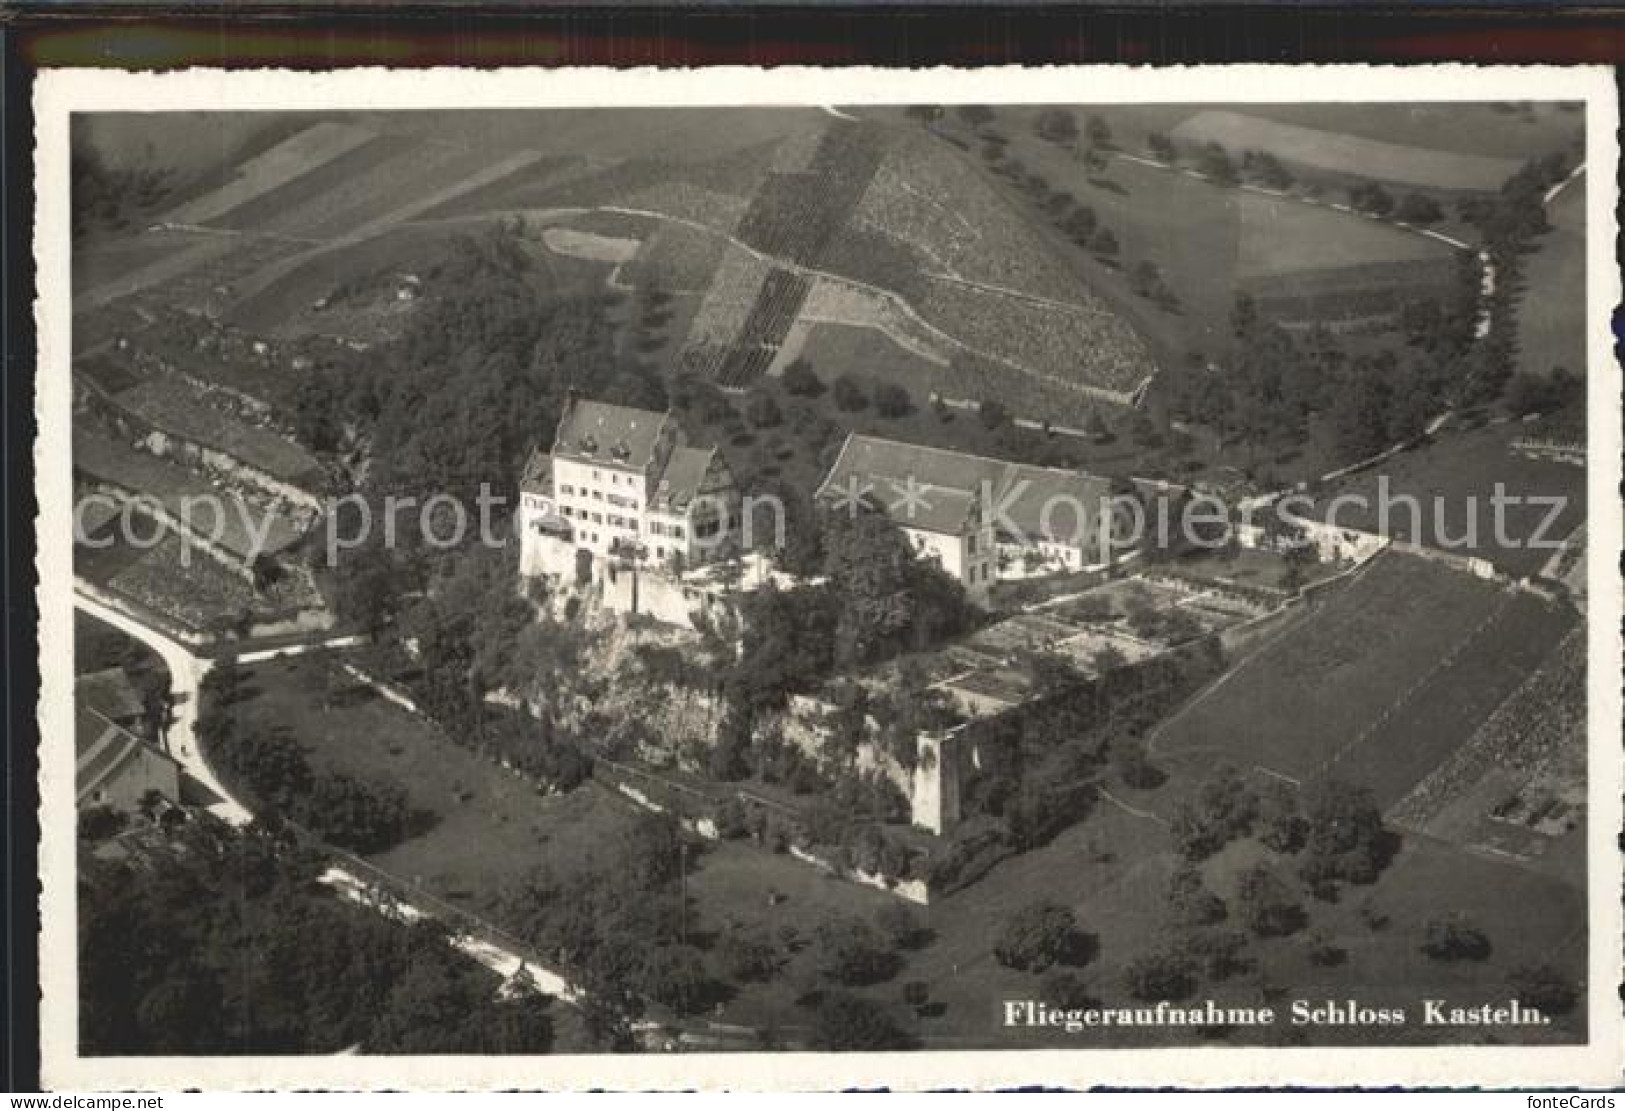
x=828, y=578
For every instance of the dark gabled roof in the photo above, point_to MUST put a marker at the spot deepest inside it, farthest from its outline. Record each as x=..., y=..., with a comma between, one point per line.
x=598, y=432
x=1021, y=490
x=110, y=693
x=680, y=483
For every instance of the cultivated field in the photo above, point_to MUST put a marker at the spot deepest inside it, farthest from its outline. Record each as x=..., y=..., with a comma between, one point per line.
x=1510, y=132
x=1398, y=666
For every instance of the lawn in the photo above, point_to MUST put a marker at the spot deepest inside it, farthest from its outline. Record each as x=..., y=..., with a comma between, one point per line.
x=1308, y=696
x=1552, y=307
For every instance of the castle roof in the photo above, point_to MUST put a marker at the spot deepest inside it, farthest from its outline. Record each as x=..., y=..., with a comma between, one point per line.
x=620, y=436
x=616, y=435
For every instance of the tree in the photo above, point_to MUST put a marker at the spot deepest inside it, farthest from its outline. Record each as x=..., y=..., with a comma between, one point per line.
x=762, y=411
x=750, y=955
x=1079, y=224
x=1543, y=987
x=849, y=1023
x=1268, y=906
x=1214, y=162
x=900, y=925
x=1057, y=125
x=1418, y=208
x=1104, y=243
x=1143, y=277
x=1223, y=808
x=1214, y=951
x=1161, y=147
x=1344, y=838
x=1280, y=826
x=1133, y=767
x=1041, y=934
x=1266, y=169
x=1454, y=937
x=924, y=113
x=1243, y=316
x=800, y=379
x=892, y=401
x=1097, y=131
x=676, y=976
x=1067, y=991
x=916, y=993
x=1190, y=903
x=1370, y=197
x=847, y=950
x=849, y=395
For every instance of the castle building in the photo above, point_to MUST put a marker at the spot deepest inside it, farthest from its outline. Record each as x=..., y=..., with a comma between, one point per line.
x=623, y=485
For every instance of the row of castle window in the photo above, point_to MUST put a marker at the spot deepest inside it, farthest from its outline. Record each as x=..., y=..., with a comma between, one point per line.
x=598, y=495
x=676, y=532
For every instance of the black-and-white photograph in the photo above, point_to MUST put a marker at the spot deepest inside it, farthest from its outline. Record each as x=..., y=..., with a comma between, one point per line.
x=851, y=577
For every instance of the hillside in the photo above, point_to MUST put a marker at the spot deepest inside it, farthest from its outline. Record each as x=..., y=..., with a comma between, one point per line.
x=775, y=222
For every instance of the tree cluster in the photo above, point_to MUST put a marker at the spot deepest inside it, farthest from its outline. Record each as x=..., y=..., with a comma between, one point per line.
x=162, y=966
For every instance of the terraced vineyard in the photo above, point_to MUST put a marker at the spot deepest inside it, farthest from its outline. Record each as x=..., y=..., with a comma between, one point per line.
x=777, y=306
x=795, y=215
